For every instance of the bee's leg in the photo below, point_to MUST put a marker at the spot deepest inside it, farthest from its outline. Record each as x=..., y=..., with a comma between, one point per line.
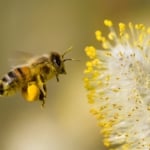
x=57, y=78
x=43, y=94
x=41, y=98
x=43, y=89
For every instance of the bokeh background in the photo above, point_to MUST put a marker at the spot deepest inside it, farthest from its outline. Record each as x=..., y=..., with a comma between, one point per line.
x=41, y=26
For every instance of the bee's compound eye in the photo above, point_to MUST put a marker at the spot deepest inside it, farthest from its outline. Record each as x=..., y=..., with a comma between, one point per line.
x=56, y=59
x=31, y=92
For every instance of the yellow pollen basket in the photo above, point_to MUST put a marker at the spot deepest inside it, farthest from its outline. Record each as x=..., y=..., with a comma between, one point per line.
x=31, y=92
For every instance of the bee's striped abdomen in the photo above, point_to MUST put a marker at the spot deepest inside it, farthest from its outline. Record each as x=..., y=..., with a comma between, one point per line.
x=9, y=77
x=1, y=88
x=6, y=83
x=13, y=80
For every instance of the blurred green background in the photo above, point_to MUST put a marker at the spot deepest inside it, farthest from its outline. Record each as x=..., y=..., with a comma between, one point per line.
x=41, y=26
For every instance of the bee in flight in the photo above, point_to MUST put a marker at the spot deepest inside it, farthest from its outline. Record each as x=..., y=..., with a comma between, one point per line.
x=31, y=77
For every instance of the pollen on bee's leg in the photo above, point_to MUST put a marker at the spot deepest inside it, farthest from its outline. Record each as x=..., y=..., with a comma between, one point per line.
x=31, y=92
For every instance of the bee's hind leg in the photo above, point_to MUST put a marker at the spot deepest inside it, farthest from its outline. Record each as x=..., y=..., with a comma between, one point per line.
x=57, y=78
x=43, y=89
x=42, y=98
x=43, y=94
x=43, y=103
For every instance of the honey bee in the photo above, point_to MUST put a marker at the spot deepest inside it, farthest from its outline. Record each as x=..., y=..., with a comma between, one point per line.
x=30, y=78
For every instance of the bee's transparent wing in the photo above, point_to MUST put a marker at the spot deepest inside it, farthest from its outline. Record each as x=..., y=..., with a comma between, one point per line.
x=19, y=58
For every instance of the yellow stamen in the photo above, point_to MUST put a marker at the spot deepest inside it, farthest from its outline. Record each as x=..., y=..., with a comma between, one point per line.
x=108, y=23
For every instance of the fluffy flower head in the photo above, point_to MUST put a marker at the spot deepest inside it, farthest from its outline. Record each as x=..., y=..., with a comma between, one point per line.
x=117, y=79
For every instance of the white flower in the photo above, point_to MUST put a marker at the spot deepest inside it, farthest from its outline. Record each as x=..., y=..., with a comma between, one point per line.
x=117, y=79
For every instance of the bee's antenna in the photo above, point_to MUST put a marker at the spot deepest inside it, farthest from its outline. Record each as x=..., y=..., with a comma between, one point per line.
x=68, y=59
x=67, y=51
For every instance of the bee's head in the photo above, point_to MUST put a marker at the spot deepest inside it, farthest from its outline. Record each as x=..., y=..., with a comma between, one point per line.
x=58, y=62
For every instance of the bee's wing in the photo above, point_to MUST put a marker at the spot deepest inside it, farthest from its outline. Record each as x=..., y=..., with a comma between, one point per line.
x=20, y=57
